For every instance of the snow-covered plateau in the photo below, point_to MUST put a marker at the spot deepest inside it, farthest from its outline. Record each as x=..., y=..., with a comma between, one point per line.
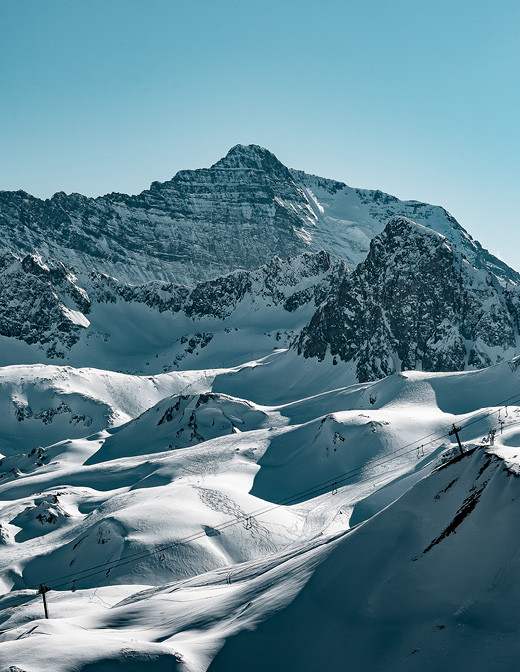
x=230, y=413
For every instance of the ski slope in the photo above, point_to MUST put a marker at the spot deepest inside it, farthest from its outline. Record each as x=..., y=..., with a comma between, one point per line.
x=195, y=513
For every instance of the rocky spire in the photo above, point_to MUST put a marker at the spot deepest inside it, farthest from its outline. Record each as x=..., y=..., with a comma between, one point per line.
x=414, y=303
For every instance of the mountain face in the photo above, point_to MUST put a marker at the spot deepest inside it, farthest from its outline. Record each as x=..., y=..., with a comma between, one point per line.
x=416, y=302
x=170, y=512
x=41, y=303
x=238, y=214
x=97, y=320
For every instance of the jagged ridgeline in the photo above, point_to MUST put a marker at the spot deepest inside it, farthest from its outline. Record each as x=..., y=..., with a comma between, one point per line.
x=238, y=214
x=416, y=302
x=219, y=266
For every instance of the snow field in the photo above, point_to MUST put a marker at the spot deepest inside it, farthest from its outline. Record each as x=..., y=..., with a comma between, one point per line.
x=174, y=548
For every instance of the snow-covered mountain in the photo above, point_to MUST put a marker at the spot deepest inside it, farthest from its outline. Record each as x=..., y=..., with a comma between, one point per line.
x=49, y=314
x=227, y=412
x=238, y=214
x=415, y=302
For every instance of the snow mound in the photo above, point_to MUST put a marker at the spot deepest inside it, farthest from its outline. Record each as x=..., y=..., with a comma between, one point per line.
x=41, y=404
x=179, y=422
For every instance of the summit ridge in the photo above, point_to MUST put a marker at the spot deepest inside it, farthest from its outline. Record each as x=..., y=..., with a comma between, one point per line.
x=238, y=214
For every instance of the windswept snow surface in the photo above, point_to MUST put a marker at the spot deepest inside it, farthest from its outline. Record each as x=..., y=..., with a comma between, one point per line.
x=40, y=404
x=195, y=513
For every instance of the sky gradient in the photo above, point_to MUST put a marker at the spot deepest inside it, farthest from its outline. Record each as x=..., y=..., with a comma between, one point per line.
x=419, y=99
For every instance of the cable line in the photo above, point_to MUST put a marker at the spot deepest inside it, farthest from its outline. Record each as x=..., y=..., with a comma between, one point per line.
x=330, y=484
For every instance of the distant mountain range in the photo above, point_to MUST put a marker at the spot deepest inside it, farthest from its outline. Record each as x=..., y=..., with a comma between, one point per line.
x=238, y=214
x=345, y=273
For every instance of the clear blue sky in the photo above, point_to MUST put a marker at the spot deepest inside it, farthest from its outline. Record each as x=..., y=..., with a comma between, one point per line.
x=420, y=99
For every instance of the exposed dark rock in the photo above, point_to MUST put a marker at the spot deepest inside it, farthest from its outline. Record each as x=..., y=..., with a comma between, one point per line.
x=414, y=303
x=240, y=213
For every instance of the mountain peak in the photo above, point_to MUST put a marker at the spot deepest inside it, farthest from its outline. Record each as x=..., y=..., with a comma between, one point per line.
x=252, y=157
x=406, y=307
x=403, y=227
x=405, y=237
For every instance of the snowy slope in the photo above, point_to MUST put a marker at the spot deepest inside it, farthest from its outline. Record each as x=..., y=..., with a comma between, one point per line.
x=95, y=320
x=40, y=404
x=209, y=512
x=431, y=583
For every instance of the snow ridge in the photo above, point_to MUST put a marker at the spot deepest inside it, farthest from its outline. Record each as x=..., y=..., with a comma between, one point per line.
x=238, y=214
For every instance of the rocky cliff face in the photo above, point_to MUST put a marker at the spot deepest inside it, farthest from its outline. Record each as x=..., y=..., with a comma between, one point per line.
x=416, y=302
x=41, y=303
x=238, y=214
x=58, y=314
